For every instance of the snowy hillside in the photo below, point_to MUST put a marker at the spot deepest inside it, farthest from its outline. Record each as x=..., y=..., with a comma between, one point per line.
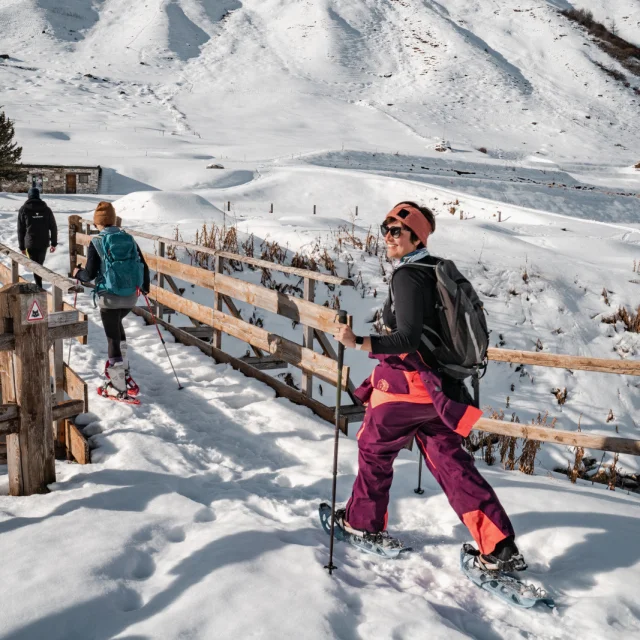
x=198, y=517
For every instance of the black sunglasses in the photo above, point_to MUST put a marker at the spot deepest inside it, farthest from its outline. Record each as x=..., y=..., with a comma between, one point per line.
x=395, y=232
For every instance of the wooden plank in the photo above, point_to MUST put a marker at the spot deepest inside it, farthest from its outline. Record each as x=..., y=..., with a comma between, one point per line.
x=622, y=367
x=75, y=387
x=61, y=318
x=69, y=331
x=571, y=438
x=302, y=311
x=305, y=359
x=233, y=310
x=84, y=240
x=67, y=409
x=217, y=301
x=266, y=362
x=74, y=227
x=77, y=444
x=281, y=389
x=65, y=284
x=307, y=335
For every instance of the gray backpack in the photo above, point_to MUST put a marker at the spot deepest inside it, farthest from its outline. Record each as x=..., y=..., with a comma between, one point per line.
x=460, y=347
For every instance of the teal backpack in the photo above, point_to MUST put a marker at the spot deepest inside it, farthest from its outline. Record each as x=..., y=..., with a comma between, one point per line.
x=121, y=270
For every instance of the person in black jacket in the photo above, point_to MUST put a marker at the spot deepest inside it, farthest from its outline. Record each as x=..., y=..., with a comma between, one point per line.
x=37, y=229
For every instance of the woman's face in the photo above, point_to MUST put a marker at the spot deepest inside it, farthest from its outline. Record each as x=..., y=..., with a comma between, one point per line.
x=401, y=246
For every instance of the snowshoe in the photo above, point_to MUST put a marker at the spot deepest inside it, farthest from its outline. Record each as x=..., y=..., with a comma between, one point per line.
x=115, y=386
x=500, y=583
x=380, y=544
x=108, y=391
x=132, y=388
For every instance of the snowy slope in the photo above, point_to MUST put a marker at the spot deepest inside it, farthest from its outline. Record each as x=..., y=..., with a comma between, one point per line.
x=260, y=80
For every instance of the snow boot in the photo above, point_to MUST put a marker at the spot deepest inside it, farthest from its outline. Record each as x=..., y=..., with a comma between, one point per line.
x=505, y=557
x=132, y=388
x=382, y=539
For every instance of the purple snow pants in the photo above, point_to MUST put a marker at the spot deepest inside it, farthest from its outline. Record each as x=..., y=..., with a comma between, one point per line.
x=386, y=429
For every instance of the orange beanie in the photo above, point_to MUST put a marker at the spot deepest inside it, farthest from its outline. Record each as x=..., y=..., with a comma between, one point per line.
x=105, y=215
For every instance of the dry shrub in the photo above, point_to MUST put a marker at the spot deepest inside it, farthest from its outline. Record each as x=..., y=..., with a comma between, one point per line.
x=610, y=417
x=527, y=460
x=508, y=446
x=560, y=394
x=578, y=467
x=273, y=252
x=613, y=472
x=630, y=319
x=636, y=166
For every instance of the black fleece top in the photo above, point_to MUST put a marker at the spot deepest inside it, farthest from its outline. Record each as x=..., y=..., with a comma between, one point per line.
x=92, y=268
x=37, y=226
x=414, y=305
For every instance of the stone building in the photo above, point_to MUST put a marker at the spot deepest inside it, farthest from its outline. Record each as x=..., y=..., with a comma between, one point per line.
x=56, y=179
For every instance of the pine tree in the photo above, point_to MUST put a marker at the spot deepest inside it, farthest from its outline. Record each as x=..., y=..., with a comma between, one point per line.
x=10, y=152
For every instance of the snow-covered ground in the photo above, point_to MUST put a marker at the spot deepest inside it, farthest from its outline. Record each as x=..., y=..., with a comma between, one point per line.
x=198, y=517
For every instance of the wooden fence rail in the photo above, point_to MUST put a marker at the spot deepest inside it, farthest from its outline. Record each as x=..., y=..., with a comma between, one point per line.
x=272, y=350
x=315, y=320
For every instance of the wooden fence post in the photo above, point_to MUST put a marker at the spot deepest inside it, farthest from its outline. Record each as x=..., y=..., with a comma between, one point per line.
x=74, y=227
x=161, y=251
x=217, y=302
x=15, y=274
x=57, y=368
x=309, y=294
x=31, y=457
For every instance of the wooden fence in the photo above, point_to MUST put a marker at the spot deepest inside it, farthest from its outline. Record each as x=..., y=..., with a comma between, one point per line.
x=317, y=321
x=40, y=392
x=271, y=351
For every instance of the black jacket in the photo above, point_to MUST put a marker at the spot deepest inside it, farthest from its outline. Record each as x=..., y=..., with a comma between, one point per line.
x=92, y=268
x=415, y=300
x=37, y=227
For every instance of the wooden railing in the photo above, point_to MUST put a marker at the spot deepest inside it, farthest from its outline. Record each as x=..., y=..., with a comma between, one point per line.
x=40, y=392
x=271, y=350
x=316, y=320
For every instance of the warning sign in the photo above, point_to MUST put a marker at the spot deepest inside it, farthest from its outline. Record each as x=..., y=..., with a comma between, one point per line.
x=35, y=313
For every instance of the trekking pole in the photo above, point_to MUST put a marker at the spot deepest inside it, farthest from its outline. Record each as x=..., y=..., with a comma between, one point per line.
x=75, y=299
x=342, y=318
x=164, y=344
x=419, y=490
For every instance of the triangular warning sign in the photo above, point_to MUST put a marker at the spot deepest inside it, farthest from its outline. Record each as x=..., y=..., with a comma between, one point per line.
x=35, y=313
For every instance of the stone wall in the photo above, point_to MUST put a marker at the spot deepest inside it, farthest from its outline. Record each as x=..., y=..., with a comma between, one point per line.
x=53, y=179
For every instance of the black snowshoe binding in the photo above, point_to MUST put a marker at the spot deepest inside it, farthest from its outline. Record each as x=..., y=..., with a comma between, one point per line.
x=381, y=540
x=505, y=558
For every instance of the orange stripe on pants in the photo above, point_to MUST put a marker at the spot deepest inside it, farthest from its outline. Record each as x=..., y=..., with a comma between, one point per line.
x=483, y=530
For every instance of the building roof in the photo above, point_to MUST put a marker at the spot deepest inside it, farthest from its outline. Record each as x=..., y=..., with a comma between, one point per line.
x=59, y=166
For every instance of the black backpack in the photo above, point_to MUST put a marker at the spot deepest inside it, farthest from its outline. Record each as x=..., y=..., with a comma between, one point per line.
x=460, y=347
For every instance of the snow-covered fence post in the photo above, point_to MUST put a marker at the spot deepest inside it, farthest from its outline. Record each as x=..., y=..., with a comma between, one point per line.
x=307, y=337
x=30, y=451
